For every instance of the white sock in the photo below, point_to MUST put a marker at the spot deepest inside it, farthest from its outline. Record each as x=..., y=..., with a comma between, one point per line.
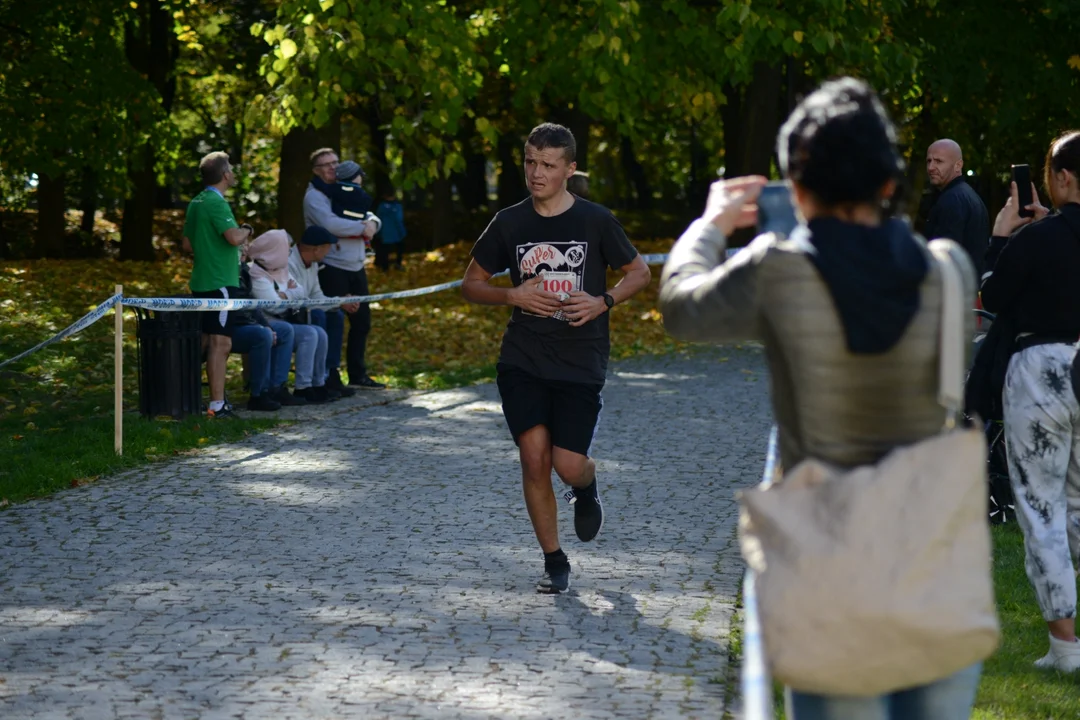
x=216, y=405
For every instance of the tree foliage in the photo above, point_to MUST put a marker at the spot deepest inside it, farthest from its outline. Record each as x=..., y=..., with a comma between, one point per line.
x=438, y=94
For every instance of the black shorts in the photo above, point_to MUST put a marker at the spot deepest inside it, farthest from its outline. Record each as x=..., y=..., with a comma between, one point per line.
x=569, y=410
x=216, y=322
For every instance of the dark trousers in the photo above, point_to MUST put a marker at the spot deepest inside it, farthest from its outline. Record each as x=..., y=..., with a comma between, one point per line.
x=382, y=253
x=336, y=282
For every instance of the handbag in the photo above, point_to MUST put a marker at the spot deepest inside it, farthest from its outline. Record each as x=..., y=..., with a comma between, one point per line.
x=878, y=578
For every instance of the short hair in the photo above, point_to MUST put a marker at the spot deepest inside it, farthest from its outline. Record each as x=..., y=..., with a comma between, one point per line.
x=213, y=166
x=550, y=135
x=320, y=152
x=1064, y=154
x=840, y=144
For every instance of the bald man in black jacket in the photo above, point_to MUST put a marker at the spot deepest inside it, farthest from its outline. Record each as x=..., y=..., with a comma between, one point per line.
x=958, y=213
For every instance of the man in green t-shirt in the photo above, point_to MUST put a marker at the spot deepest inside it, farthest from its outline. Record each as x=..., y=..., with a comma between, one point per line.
x=212, y=235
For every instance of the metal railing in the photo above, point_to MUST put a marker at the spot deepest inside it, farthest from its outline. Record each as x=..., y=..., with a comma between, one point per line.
x=757, y=685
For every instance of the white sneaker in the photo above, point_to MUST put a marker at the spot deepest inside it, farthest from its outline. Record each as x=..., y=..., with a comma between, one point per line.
x=1063, y=656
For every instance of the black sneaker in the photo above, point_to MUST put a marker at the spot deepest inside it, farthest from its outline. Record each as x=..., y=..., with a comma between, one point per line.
x=286, y=398
x=333, y=382
x=331, y=393
x=366, y=383
x=263, y=403
x=554, y=582
x=225, y=412
x=314, y=395
x=588, y=512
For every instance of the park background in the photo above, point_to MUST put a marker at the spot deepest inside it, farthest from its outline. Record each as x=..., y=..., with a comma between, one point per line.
x=106, y=107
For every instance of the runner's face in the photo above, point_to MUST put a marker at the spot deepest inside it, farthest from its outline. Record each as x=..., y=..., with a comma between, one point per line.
x=546, y=171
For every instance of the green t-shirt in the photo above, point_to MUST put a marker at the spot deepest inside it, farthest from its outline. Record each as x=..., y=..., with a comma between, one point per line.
x=217, y=263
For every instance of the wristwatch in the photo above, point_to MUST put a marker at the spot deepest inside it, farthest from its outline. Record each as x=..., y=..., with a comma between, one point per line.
x=608, y=300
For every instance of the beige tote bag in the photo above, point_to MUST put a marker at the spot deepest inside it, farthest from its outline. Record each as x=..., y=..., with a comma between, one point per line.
x=878, y=578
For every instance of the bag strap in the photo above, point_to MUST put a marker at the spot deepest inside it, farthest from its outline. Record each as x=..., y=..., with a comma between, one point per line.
x=951, y=354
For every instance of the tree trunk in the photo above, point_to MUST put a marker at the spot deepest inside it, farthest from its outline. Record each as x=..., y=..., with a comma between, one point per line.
x=152, y=50
x=635, y=174
x=512, y=188
x=751, y=121
x=137, y=226
x=51, y=224
x=472, y=184
x=442, y=213
x=295, y=170
x=697, y=190
x=378, y=175
x=88, y=201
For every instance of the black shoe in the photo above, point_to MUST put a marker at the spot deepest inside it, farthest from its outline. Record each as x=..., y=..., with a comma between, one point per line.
x=225, y=412
x=367, y=383
x=263, y=403
x=331, y=393
x=333, y=382
x=286, y=398
x=555, y=581
x=314, y=395
x=588, y=512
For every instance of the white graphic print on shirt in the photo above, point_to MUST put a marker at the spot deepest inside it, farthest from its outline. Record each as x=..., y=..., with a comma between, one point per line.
x=562, y=265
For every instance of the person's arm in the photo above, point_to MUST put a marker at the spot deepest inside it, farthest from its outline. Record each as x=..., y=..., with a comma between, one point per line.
x=702, y=297
x=583, y=307
x=237, y=236
x=314, y=287
x=317, y=211
x=185, y=245
x=263, y=289
x=530, y=295
x=374, y=220
x=1008, y=259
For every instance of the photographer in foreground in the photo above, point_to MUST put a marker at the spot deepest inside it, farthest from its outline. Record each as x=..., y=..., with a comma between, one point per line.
x=849, y=309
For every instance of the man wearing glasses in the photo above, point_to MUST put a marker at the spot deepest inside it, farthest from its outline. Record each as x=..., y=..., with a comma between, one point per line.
x=342, y=273
x=213, y=237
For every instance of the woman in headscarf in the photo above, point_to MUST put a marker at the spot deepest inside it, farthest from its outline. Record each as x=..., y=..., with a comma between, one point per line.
x=270, y=280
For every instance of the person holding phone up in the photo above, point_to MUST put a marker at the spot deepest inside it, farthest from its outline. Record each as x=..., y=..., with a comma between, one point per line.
x=1034, y=273
x=848, y=307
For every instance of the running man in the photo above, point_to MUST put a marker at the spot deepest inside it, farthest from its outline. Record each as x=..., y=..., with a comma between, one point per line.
x=553, y=361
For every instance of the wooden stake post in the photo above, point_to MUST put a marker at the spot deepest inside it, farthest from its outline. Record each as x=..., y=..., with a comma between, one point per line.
x=118, y=398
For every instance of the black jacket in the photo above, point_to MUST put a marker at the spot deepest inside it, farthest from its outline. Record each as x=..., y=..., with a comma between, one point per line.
x=959, y=214
x=1035, y=275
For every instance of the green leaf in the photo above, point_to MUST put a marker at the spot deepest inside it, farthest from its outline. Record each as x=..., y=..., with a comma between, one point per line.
x=288, y=48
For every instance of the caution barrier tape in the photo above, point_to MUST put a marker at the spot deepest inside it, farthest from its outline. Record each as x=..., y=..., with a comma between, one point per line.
x=79, y=325
x=196, y=304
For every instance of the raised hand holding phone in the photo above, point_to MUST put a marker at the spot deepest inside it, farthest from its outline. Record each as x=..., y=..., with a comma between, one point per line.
x=1021, y=177
x=1009, y=219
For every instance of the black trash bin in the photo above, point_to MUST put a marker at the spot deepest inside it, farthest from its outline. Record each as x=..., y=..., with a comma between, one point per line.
x=170, y=363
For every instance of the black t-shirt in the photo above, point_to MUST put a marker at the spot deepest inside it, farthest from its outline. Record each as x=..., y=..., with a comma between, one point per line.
x=573, y=250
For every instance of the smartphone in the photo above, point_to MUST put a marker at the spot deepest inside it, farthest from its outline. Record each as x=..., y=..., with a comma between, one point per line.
x=776, y=212
x=1021, y=175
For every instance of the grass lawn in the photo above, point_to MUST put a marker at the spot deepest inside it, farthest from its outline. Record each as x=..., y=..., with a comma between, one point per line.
x=1011, y=687
x=56, y=405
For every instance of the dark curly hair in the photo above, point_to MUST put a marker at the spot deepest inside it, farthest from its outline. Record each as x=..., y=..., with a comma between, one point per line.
x=840, y=144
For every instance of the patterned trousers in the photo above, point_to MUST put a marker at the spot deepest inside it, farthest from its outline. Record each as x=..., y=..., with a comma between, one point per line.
x=1042, y=436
